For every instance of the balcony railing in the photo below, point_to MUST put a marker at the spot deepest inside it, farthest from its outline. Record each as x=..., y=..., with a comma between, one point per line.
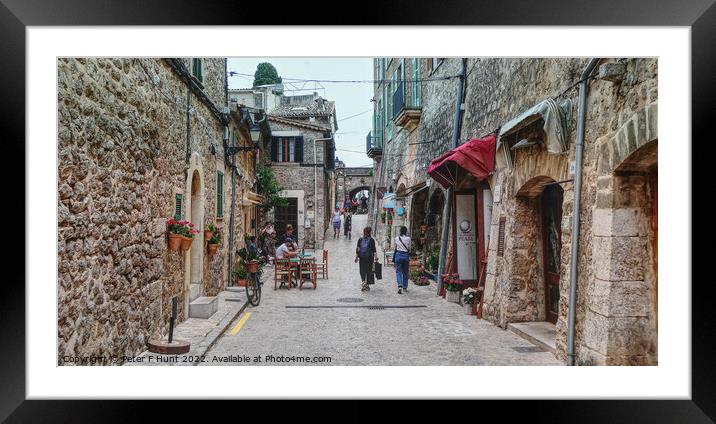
x=373, y=145
x=405, y=114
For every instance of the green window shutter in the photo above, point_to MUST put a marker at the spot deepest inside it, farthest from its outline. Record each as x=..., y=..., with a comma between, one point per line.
x=196, y=70
x=177, y=206
x=416, y=82
x=219, y=194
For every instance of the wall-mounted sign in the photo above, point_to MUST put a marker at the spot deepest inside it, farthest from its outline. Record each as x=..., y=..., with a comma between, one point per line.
x=498, y=193
x=466, y=236
x=571, y=168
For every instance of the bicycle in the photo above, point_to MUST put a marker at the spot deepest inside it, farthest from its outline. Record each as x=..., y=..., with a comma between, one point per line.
x=253, y=287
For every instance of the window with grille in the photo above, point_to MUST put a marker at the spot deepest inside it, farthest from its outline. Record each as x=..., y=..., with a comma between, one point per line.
x=219, y=194
x=197, y=69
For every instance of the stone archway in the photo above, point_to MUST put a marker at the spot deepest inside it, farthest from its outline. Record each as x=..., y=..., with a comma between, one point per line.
x=194, y=195
x=622, y=316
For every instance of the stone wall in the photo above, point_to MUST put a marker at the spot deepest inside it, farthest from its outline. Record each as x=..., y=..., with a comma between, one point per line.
x=294, y=176
x=125, y=149
x=621, y=119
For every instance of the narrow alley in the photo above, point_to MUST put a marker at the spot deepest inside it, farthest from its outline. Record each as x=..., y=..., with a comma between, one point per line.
x=339, y=322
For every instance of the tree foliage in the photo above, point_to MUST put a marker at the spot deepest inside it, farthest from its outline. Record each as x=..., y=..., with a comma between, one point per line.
x=266, y=74
x=269, y=188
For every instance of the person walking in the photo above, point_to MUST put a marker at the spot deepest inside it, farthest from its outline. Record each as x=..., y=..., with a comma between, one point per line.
x=347, y=224
x=336, y=220
x=402, y=250
x=366, y=254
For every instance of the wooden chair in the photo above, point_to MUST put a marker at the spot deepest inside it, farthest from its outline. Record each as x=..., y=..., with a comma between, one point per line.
x=307, y=268
x=322, y=267
x=282, y=273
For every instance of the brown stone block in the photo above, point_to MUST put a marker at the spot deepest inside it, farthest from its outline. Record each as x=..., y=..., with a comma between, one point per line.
x=619, y=258
x=619, y=298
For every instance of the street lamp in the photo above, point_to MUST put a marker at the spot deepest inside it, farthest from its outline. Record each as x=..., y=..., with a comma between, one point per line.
x=255, y=133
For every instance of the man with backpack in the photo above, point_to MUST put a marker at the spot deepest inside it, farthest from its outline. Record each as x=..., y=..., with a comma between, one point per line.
x=366, y=254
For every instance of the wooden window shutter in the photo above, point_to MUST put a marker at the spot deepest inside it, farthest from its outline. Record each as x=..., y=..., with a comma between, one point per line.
x=274, y=149
x=219, y=194
x=501, y=237
x=177, y=206
x=299, y=149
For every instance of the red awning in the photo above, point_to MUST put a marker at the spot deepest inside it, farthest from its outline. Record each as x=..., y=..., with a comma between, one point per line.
x=477, y=157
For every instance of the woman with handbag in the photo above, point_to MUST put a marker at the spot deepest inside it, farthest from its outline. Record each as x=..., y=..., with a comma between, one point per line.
x=402, y=259
x=365, y=256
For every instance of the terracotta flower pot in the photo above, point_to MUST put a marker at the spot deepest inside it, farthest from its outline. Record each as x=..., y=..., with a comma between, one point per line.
x=186, y=243
x=211, y=248
x=252, y=266
x=240, y=282
x=208, y=234
x=174, y=241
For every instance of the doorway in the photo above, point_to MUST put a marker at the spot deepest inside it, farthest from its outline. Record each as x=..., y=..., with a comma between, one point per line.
x=552, y=244
x=197, y=218
x=287, y=215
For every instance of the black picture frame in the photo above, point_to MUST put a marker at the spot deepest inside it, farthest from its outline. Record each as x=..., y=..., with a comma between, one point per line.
x=16, y=15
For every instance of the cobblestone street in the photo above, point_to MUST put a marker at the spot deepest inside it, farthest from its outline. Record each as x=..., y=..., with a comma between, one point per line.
x=425, y=330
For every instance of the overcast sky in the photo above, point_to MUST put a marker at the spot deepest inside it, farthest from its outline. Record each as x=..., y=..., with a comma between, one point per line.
x=351, y=98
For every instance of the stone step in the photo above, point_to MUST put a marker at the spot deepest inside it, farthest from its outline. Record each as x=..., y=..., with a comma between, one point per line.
x=203, y=307
x=540, y=333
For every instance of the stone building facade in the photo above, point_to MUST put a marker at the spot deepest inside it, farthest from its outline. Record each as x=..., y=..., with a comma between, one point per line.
x=526, y=204
x=302, y=155
x=140, y=141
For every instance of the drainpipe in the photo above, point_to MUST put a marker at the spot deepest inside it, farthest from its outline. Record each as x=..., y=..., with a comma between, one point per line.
x=448, y=199
x=574, y=257
x=315, y=194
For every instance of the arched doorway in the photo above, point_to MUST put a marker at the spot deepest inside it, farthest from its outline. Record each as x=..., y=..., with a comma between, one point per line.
x=436, y=207
x=196, y=216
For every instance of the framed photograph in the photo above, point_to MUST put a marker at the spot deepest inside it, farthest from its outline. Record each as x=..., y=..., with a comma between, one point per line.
x=179, y=149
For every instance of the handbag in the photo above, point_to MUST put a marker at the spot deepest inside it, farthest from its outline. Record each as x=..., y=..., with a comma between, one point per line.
x=371, y=277
x=378, y=270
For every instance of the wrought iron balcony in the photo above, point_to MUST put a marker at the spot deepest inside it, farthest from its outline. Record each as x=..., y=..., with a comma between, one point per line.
x=405, y=114
x=373, y=145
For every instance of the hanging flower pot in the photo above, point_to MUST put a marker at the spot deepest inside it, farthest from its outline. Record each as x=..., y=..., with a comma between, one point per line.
x=211, y=248
x=252, y=266
x=174, y=242
x=209, y=231
x=186, y=243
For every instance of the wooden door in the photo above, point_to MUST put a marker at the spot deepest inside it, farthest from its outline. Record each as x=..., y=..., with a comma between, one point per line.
x=552, y=242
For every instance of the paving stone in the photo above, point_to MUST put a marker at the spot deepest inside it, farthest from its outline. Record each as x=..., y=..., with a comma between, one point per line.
x=438, y=334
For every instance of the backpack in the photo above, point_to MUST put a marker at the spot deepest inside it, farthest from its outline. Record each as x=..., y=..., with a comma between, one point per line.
x=364, y=250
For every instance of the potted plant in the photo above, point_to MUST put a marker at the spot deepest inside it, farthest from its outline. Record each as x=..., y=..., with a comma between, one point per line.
x=240, y=275
x=423, y=228
x=174, y=230
x=188, y=233
x=423, y=280
x=414, y=276
x=382, y=217
x=469, y=297
x=452, y=291
x=209, y=231
x=453, y=287
x=181, y=234
x=390, y=219
x=213, y=244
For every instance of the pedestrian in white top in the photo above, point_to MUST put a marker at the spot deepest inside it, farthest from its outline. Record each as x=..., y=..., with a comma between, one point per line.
x=402, y=249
